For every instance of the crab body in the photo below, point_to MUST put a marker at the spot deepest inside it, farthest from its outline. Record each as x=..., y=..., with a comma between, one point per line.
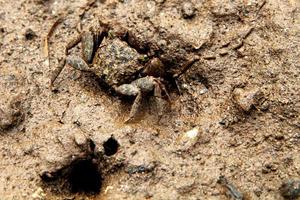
x=116, y=63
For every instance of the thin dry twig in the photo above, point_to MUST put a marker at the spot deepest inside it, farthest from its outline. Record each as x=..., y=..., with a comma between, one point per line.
x=50, y=33
x=260, y=7
x=88, y=6
x=248, y=32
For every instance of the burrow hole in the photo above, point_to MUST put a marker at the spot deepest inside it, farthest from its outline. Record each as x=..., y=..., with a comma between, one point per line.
x=85, y=177
x=111, y=146
x=82, y=175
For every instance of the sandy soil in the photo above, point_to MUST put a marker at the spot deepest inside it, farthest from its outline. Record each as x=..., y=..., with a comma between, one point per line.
x=235, y=113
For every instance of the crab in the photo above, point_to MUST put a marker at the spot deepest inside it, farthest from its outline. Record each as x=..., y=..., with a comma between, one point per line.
x=113, y=54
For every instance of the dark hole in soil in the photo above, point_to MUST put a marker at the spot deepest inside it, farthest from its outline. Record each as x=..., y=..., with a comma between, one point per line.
x=111, y=146
x=80, y=176
x=85, y=177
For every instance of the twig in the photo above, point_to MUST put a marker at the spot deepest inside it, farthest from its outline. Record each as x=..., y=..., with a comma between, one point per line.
x=248, y=32
x=261, y=6
x=57, y=71
x=50, y=33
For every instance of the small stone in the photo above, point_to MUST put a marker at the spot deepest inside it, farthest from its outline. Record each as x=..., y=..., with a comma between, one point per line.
x=80, y=139
x=188, y=10
x=247, y=99
x=39, y=194
x=191, y=134
x=203, y=90
x=30, y=34
x=264, y=106
x=290, y=189
x=234, y=142
x=188, y=139
x=185, y=186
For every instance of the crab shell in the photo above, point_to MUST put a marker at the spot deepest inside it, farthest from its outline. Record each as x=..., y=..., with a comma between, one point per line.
x=116, y=63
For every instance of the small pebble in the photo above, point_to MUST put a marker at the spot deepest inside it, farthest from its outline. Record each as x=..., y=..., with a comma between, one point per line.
x=264, y=106
x=188, y=10
x=203, y=90
x=39, y=194
x=188, y=139
x=80, y=138
x=30, y=34
x=247, y=99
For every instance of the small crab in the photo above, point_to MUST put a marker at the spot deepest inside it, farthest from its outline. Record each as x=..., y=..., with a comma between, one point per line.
x=111, y=53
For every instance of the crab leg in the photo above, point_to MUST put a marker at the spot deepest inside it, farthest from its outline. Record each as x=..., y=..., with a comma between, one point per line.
x=71, y=44
x=57, y=71
x=135, y=107
x=89, y=42
x=163, y=88
x=131, y=90
x=77, y=63
x=87, y=45
x=158, y=100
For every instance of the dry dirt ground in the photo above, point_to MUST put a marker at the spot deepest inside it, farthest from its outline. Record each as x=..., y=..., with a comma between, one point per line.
x=230, y=131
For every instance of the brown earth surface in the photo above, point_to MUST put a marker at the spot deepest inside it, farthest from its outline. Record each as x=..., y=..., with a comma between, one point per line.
x=234, y=113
